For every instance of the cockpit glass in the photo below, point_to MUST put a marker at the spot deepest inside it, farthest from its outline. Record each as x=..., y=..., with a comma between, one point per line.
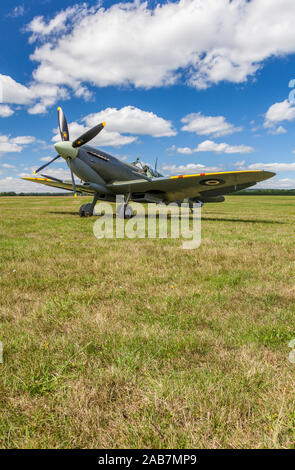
x=147, y=169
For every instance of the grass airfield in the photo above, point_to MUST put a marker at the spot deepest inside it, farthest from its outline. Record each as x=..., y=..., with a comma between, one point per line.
x=139, y=343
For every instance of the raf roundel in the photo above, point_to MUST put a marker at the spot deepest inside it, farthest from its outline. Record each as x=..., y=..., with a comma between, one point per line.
x=212, y=182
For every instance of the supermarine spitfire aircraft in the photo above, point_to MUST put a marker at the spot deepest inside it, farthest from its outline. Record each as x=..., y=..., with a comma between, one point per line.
x=105, y=176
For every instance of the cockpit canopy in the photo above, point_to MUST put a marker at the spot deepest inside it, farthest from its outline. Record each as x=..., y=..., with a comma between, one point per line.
x=146, y=169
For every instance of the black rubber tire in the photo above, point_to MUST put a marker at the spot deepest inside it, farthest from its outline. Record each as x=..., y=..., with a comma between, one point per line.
x=88, y=211
x=81, y=211
x=128, y=212
x=124, y=211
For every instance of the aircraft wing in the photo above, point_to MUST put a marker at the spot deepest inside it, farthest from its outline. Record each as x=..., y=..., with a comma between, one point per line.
x=174, y=188
x=203, y=185
x=60, y=184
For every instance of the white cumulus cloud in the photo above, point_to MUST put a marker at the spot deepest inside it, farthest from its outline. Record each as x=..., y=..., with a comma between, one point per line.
x=185, y=150
x=39, y=29
x=277, y=131
x=15, y=144
x=132, y=120
x=211, y=146
x=277, y=183
x=188, y=169
x=216, y=126
x=5, y=111
x=279, y=112
x=272, y=166
x=202, y=42
x=39, y=96
x=195, y=42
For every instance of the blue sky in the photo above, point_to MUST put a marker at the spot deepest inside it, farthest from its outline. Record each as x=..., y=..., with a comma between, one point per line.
x=201, y=84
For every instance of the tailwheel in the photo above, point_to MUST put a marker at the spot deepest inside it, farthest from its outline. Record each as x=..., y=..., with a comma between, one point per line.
x=124, y=211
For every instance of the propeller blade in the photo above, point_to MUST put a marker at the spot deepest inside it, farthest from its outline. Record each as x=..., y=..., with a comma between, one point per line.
x=46, y=164
x=52, y=178
x=63, y=125
x=72, y=175
x=156, y=163
x=89, y=135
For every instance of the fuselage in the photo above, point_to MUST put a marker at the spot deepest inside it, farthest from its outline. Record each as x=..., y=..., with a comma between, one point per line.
x=92, y=164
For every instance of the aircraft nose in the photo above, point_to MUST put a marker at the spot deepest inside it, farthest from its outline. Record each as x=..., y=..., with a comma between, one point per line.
x=66, y=150
x=58, y=148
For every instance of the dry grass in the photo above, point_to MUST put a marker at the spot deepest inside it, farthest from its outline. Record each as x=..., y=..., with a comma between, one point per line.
x=100, y=350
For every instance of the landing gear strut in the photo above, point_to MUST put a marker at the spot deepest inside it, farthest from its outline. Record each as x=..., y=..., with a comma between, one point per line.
x=124, y=211
x=191, y=208
x=86, y=210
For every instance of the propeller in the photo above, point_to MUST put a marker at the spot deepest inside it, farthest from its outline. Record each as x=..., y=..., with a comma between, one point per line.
x=67, y=149
x=84, y=138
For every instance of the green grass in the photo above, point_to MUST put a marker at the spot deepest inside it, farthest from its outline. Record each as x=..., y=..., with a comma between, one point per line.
x=139, y=343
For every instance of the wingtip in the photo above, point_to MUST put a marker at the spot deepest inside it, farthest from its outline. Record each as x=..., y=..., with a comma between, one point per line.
x=268, y=174
x=103, y=123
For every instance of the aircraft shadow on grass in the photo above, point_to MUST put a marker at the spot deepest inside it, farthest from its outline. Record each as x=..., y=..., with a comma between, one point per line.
x=246, y=221
x=211, y=219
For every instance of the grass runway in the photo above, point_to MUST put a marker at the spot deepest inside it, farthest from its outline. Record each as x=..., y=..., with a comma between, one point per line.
x=141, y=344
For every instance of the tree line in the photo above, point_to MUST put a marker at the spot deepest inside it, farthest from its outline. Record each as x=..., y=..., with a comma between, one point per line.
x=244, y=192
x=265, y=192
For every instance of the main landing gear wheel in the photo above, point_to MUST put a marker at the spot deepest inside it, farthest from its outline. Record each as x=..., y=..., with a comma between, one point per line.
x=124, y=211
x=86, y=210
